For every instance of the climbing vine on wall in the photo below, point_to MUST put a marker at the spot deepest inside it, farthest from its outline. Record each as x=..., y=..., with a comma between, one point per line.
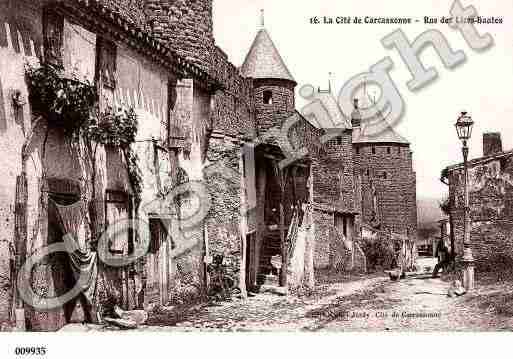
x=134, y=174
x=66, y=102
x=113, y=127
x=73, y=105
x=118, y=127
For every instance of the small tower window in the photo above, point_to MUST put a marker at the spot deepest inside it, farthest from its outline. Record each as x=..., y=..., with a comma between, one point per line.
x=268, y=97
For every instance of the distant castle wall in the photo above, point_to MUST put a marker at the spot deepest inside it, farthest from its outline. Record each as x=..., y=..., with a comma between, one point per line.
x=387, y=170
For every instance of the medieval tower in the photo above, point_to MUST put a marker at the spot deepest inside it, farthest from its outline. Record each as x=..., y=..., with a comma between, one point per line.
x=196, y=113
x=383, y=167
x=273, y=83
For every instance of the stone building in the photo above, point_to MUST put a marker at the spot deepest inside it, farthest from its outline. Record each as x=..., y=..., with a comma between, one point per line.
x=50, y=189
x=215, y=170
x=490, y=189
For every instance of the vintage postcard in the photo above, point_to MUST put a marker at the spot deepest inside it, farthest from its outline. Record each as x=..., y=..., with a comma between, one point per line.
x=197, y=166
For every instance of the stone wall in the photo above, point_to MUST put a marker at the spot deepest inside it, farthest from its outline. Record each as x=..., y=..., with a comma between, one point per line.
x=233, y=105
x=331, y=253
x=282, y=106
x=323, y=225
x=333, y=175
x=185, y=26
x=388, y=169
x=130, y=10
x=491, y=210
x=223, y=182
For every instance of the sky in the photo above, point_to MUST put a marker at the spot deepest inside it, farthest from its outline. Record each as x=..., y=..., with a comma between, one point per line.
x=483, y=85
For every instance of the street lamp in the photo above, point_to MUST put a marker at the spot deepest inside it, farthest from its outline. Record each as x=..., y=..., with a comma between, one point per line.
x=464, y=129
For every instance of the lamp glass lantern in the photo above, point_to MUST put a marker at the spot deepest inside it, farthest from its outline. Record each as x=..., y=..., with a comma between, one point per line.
x=464, y=127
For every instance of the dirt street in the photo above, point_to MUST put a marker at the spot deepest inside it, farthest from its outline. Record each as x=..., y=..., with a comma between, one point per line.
x=374, y=304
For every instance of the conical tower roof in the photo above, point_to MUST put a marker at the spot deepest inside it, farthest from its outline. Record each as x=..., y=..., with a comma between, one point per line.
x=264, y=61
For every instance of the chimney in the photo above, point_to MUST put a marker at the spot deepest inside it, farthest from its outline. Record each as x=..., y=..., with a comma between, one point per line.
x=356, y=117
x=492, y=143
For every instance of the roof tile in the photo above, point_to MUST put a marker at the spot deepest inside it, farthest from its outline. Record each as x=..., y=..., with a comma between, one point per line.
x=264, y=61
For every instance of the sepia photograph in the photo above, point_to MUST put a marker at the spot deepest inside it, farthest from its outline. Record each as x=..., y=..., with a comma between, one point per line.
x=177, y=169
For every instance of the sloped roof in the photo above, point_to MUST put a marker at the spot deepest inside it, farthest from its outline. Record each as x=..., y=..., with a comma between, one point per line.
x=383, y=133
x=374, y=131
x=264, y=61
x=377, y=129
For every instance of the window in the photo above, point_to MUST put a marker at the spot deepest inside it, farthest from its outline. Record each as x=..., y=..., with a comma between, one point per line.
x=341, y=223
x=268, y=97
x=357, y=150
x=367, y=172
x=106, y=71
x=373, y=150
x=118, y=208
x=337, y=141
x=53, y=28
x=384, y=175
x=398, y=150
x=388, y=150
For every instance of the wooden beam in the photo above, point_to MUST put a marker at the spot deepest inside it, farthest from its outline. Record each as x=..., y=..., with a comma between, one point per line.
x=243, y=226
x=282, y=177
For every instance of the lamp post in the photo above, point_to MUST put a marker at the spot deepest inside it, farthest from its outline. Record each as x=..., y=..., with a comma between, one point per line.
x=464, y=126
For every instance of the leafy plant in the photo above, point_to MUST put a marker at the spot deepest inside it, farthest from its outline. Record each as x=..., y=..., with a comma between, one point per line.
x=119, y=128
x=134, y=175
x=113, y=128
x=379, y=254
x=67, y=102
x=72, y=104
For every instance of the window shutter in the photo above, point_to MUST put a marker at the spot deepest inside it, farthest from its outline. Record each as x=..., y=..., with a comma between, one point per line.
x=106, y=72
x=106, y=63
x=53, y=28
